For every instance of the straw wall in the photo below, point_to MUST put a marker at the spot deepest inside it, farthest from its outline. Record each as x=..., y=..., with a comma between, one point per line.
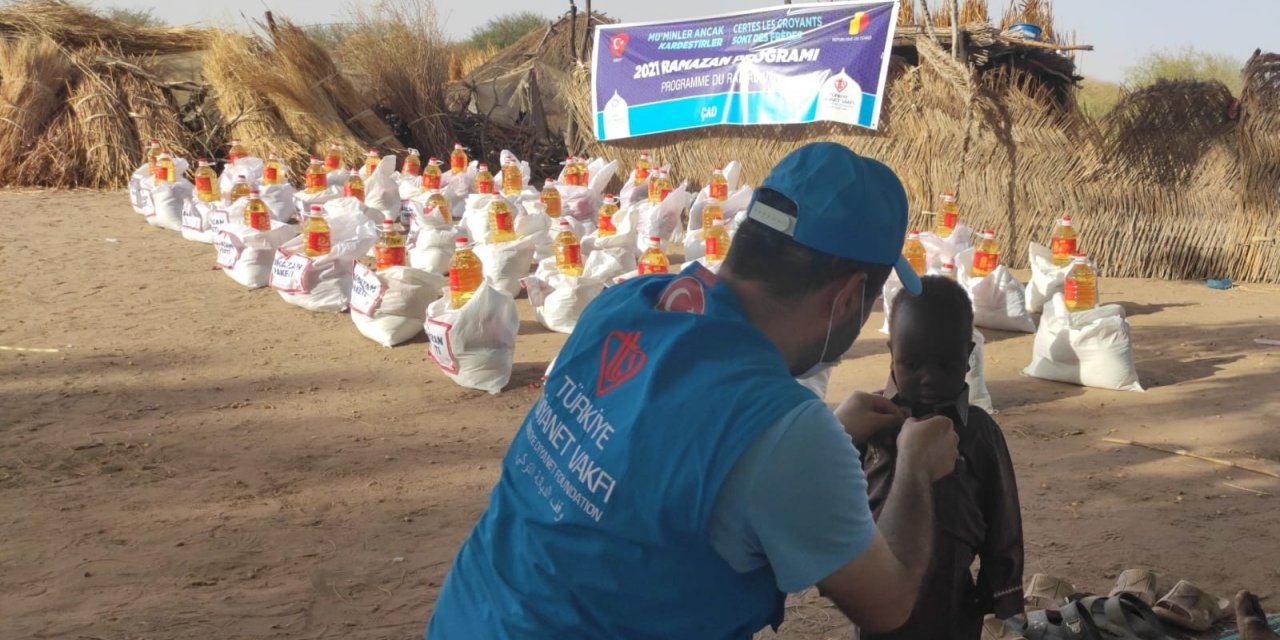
x=1029, y=162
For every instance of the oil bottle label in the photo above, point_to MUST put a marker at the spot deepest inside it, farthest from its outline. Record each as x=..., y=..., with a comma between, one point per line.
x=713, y=247
x=162, y=173
x=270, y=174
x=484, y=186
x=646, y=268
x=457, y=164
x=204, y=184
x=317, y=181
x=641, y=175
x=503, y=221
x=663, y=194
x=234, y=158
x=332, y=163
x=949, y=219
x=260, y=220
x=318, y=241
x=1071, y=290
x=1063, y=246
x=605, y=223
x=367, y=290
x=430, y=182
x=455, y=281
x=573, y=254
x=440, y=347
x=389, y=257
x=985, y=262
x=350, y=192
x=289, y=272
x=720, y=191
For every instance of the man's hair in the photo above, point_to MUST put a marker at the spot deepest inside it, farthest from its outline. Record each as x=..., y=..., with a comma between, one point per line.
x=789, y=270
x=941, y=300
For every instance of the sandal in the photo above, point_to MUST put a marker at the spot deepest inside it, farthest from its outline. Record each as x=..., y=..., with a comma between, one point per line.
x=994, y=628
x=1071, y=622
x=1047, y=592
x=1139, y=582
x=1190, y=608
x=1251, y=621
x=1124, y=617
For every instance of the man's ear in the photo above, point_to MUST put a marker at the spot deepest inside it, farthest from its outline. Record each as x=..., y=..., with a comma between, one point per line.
x=850, y=295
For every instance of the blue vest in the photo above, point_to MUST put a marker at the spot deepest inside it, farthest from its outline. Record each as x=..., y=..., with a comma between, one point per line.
x=598, y=525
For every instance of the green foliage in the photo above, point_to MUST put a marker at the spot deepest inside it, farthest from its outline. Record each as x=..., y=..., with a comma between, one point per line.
x=1186, y=63
x=132, y=17
x=503, y=30
x=1097, y=97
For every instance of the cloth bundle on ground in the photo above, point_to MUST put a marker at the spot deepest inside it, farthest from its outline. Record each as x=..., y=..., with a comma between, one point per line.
x=246, y=254
x=1046, y=277
x=430, y=242
x=323, y=283
x=390, y=307
x=999, y=301
x=939, y=250
x=558, y=299
x=475, y=345
x=1091, y=348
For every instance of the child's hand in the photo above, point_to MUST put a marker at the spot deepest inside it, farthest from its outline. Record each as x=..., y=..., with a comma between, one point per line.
x=864, y=415
x=929, y=446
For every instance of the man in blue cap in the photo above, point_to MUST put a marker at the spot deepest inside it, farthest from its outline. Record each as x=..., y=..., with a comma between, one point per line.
x=675, y=481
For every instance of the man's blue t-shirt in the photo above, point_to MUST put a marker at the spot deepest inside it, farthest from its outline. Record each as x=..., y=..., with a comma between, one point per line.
x=796, y=500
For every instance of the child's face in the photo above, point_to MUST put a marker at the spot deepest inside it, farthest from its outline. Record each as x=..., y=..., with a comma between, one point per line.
x=930, y=357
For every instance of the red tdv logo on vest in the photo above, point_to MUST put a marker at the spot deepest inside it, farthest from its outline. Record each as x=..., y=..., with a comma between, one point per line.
x=620, y=360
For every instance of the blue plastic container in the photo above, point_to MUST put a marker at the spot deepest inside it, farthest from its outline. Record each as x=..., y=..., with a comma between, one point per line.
x=1024, y=30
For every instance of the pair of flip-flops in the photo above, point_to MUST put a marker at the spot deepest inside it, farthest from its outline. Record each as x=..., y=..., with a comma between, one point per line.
x=1185, y=605
x=1121, y=617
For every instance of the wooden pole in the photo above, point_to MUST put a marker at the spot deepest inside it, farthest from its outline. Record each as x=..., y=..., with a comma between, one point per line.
x=955, y=29
x=1188, y=454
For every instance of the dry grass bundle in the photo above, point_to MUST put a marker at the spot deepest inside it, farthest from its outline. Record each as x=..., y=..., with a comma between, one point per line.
x=156, y=115
x=34, y=76
x=231, y=61
x=58, y=159
x=399, y=50
x=75, y=26
x=1037, y=12
x=107, y=134
x=470, y=59
x=972, y=11
x=907, y=13
x=1161, y=132
x=305, y=74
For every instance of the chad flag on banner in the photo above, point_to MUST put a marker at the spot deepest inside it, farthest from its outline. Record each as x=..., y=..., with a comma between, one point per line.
x=858, y=22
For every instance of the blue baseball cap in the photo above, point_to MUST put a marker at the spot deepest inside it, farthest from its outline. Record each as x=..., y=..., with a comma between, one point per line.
x=832, y=200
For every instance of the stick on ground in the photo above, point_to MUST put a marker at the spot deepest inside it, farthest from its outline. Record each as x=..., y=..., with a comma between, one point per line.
x=1188, y=454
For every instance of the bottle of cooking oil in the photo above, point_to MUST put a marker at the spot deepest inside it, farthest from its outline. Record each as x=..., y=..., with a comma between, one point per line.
x=1064, y=242
x=237, y=151
x=256, y=213
x=165, y=169
x=643, y=166
x=458, y=160
x=512, y=178
x=431, y=176
x=717, y=242
x=389, y=251
x=949, y=271
x=948, y=215
x=653, y=260
x=466, y=273
x=568, y=251
x=354, y=188
x=661, y=187
x=437, y=201
x=571, y=171
x=333, y=159
x=1080, y=290
x=153, y=154
x=273, y=172
x=412, y=163
x=986, y=256
x=711, y=211
x=239, y=188
x=371, y=160
x=501, y=222
x=719, y=185
x=604, y=219
x=206, y=181
x=550, y=198
x=484, y=179
x=315, y=233
x=317, y=178
x=584, y=172
x=915, y=253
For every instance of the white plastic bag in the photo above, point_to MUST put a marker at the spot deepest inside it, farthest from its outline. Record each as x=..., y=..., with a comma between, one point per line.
x=506, y=263
x=140, y=184
x=1046, y=277
x=736, y=203
x=390, y=306
x=381, y=191
x=201, y=220
x=940, y=250
x=622, y=245
x=1091, y=348
x=999, y=300
x=978, y=394
x=249, y=167
x=280, y=199
x=661, y=219
x=246, y=254
x=431, y=241
x=558, y=300
x=475, y=345
x=323, y=283
x=168, y=199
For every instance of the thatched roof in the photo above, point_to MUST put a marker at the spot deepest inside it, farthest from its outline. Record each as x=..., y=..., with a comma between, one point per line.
x=559, y=46
x=74, y=26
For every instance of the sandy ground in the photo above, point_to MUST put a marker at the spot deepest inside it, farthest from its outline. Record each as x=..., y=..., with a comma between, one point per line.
x=199, y=460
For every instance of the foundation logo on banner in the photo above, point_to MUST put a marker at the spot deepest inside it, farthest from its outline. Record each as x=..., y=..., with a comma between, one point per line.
x=858, y=23
x=618, y=44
